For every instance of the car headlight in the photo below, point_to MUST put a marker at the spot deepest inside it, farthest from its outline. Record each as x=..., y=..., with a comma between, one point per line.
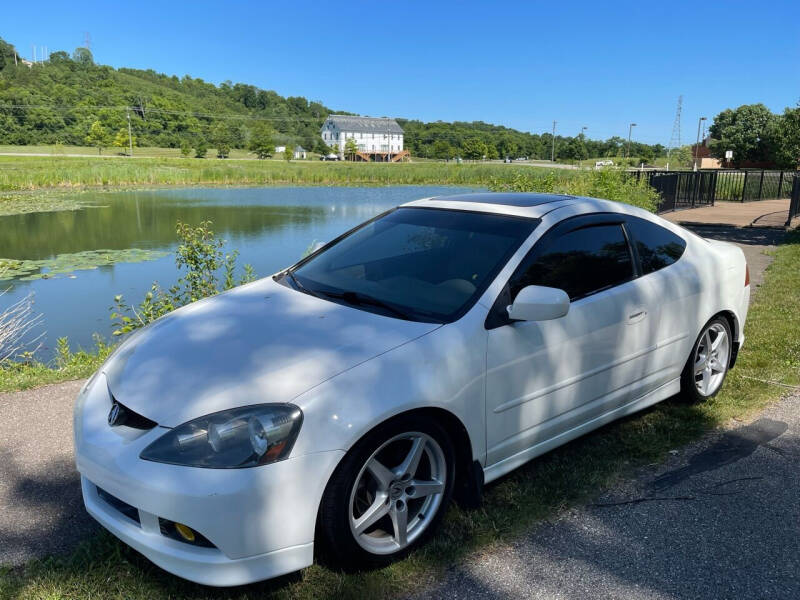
x=231, y=439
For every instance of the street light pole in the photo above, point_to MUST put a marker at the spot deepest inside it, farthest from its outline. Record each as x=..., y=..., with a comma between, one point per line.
x=553, y=149
x=630, y=131
x=697, y=144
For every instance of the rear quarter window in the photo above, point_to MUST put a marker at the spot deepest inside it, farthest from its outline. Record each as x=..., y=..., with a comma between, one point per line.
x=657, y=247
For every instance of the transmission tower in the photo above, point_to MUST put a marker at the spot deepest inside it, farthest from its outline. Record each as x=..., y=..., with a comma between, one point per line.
x=87, y=40
x=675, y=138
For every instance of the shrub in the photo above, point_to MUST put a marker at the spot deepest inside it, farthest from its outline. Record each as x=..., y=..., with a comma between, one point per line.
x=608, y=184
x=201, y=255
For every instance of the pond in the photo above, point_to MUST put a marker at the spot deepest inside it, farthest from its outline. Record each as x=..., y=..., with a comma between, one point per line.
x=120, y=242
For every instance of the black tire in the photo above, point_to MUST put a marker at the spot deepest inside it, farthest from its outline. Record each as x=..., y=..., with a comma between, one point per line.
x=336, y=541
x=689, y=389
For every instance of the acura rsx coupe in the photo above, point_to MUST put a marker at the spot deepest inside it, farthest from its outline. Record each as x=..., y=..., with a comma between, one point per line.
x=340, y=404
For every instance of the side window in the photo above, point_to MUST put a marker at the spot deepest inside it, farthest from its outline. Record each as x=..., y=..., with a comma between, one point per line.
x=579, y=262
x=657, y=247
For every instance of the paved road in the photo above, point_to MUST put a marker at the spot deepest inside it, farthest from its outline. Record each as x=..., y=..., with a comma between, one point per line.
x=41, y=511
x=720, y=520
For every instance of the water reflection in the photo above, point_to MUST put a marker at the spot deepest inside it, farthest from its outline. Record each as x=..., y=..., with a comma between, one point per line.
x=271, y=228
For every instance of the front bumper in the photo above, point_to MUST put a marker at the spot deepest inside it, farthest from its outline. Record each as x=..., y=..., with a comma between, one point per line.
x=259, y=520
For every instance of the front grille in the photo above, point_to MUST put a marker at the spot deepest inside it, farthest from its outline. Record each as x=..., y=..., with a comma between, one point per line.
x=123, y=507
x=129, y=418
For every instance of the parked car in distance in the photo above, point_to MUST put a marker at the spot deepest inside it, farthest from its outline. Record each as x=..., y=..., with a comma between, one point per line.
x=339, y=405
x=331, y=156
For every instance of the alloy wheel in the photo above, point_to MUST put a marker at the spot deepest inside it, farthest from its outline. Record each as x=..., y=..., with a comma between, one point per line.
x=711, y=359
x=397, y=493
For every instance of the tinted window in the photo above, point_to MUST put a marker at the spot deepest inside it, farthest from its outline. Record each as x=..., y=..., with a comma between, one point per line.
x=580, y=262
x=657, y=247
x=424, y=264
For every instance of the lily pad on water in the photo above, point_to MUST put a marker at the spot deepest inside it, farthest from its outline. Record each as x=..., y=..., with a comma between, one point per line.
x=30, y=270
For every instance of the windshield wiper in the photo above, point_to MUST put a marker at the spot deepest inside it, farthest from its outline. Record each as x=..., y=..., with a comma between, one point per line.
x=351, y=297
x=363, y=299
x=300, y=286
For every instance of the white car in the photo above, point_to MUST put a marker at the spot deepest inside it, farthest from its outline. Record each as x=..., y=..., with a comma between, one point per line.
x=342, y=403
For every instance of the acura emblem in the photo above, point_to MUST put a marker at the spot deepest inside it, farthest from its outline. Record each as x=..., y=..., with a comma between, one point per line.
x=114, y=414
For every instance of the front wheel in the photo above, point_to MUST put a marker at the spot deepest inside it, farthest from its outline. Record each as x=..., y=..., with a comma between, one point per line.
x=388, y=495
x=707, y=366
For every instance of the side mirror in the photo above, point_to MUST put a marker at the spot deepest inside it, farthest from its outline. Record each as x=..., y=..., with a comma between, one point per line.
x=539, y=303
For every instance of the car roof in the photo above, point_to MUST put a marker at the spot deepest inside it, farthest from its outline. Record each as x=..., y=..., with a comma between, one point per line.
x=523, y=204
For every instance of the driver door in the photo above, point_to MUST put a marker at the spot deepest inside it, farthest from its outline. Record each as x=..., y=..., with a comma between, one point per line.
x=546, y=378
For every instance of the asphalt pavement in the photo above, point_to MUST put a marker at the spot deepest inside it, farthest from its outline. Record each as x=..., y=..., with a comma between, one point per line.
x=721, y=519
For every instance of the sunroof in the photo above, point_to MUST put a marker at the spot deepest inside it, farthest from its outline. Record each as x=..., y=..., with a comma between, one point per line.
x=521, y=199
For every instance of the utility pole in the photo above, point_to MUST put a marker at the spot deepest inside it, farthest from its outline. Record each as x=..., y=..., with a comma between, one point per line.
x=130, y=136
x=630, y=131
x=553, y=149
x=580, y=159
x=697, y=145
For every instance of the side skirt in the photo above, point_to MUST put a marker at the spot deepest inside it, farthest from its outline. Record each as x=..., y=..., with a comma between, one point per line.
x=512, y=462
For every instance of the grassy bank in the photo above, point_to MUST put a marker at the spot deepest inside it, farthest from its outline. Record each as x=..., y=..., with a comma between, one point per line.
x=106, y=568
x=66, y=366
x=19, y=173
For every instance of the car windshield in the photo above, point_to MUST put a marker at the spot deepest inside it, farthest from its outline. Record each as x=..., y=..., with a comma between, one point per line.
x=420, y=264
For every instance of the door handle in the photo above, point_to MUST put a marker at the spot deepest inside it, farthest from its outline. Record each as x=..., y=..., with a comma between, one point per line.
x=636, y=316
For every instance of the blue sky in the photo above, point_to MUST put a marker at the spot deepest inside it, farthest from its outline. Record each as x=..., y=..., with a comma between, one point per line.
x=520, y=64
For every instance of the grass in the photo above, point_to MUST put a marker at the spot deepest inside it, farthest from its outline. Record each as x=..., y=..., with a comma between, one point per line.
x=21, y=173
x=104, y=567
x=67, y=365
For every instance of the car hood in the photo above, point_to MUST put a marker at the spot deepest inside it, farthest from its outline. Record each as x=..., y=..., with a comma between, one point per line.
x=262, y=342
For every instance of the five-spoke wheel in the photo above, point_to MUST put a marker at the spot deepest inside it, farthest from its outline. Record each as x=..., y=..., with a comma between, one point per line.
x=707, y=366
x=389, y=492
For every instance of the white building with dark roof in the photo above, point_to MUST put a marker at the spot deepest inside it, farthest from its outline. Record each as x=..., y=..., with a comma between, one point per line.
x=377, y=139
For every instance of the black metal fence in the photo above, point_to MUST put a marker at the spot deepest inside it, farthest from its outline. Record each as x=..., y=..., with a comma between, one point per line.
x=691, y=189
x=794, y=204
x=682, y=189
x=752, y=185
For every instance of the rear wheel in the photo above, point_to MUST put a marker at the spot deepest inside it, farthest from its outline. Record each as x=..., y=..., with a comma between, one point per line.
x=388, y=495
x=707, y=366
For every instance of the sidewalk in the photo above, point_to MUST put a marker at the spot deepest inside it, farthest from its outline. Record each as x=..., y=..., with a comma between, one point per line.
x=764, y=213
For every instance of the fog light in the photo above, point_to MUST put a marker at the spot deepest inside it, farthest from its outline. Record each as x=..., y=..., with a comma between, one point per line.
x=185, y=532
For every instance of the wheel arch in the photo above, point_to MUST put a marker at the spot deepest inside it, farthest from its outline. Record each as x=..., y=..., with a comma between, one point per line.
x=468, y=483
x=733, y=323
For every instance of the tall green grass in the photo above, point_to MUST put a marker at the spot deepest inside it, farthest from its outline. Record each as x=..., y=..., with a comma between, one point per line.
x=20, y=173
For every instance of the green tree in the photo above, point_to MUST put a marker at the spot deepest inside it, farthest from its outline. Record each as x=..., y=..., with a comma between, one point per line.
x=473, y=149
x=83, y=56
x=200, y=148
x=98, y=136
x=442, y=149
x=785, y=138
x=350, y=148
x=745, y=130
x=6, y=54
x=288, y=153
x=186, y=148
x=261, y=141
x=222, y=138
x=121, y=139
